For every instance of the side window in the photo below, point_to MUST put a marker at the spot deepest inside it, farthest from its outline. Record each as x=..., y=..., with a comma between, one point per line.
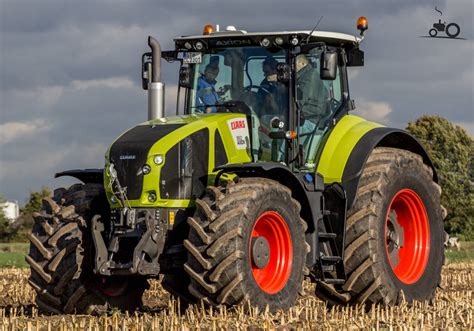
x=211, y=79
x=317, y=100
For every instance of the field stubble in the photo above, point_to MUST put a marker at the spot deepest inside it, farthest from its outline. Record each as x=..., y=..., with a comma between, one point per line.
x=451, y=309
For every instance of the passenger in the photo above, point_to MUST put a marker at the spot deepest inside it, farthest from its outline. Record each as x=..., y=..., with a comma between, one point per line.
x=269, y=68
x=312, y=95
x=272, y=93
x=206, y=96
x=312, y=99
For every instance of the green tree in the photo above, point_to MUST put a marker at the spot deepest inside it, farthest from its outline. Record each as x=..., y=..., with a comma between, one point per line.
x=34, y=202
x=4, y=223
x=25, y=221
x=452, y=150
x=7, y=229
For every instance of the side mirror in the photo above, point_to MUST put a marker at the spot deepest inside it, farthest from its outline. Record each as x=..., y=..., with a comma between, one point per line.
x=185, y=78
x=328, y=65
x=283, y=72
x=355, y=58
x=146, y=69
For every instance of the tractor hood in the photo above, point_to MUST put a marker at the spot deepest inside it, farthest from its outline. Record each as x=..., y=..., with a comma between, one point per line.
x=170, y=160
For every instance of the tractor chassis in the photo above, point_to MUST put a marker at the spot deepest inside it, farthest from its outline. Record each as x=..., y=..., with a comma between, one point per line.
x=143, y=229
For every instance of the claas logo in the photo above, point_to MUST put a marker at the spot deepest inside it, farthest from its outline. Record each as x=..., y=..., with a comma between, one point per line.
x=237, y=125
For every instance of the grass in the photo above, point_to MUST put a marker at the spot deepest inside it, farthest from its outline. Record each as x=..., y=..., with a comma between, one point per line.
x=465, y=254
x=13, y=255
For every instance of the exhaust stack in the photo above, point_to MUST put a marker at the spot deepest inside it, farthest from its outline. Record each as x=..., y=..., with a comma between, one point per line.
x=156, y=89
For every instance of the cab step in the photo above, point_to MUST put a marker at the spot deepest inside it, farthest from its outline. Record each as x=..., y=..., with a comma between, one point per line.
x=337, y=281
x=328, y=258
x=327, y=235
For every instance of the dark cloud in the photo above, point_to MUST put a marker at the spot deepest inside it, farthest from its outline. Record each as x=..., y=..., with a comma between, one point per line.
x=70, y=71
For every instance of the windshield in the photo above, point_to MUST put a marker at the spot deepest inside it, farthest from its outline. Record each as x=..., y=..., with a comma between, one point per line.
x=243, y=80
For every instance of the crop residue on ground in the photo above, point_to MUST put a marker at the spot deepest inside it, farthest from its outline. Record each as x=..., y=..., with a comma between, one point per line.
x=452, y=308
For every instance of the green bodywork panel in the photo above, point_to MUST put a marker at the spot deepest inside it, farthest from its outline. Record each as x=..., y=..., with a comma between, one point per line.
x=343, y=138
x=334, y=156
x=192, y=124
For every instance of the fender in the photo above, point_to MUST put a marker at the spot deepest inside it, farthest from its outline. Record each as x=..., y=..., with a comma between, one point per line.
x=95, y=176
x=308, y=194
x=378, y=137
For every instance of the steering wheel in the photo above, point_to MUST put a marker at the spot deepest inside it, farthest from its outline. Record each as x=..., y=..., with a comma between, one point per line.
x=249, y=88
x=234, y=106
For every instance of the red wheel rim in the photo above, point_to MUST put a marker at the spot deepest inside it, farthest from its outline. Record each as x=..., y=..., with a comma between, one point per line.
x=112, y=287
x=407, y=236
x=274, y=276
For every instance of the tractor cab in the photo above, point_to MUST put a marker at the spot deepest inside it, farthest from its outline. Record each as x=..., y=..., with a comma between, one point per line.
x=292, y=86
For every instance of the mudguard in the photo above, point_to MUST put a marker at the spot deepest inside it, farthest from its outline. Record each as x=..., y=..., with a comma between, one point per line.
x=307, y=194
x=349, y=145
x=378, y=137
x=84, y=175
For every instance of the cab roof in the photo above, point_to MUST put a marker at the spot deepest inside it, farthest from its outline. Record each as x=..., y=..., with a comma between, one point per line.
x=327, y=36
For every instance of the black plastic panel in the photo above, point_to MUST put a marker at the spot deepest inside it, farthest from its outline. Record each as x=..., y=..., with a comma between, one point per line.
x=129, y=152
x=220, y=156
x=184, y=174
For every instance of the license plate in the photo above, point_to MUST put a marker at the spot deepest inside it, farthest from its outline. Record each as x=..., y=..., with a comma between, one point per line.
x=192, y=57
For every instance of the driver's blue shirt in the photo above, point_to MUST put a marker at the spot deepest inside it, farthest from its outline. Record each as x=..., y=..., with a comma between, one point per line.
x=206, y=95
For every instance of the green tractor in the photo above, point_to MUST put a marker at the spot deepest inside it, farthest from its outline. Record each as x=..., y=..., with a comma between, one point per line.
x=268, y=178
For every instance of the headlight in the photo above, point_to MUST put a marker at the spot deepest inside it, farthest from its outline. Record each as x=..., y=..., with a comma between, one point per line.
x=265, y=42
x=198, y=46
x=151, y=197
x=158, y=159
x=146, y=169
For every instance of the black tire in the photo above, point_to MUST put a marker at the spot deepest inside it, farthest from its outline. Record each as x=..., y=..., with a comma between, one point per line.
x=177, y=285
x=388, y=173
x=433, y=32
x=61, y=257
x=219, y=258
x=453, y=25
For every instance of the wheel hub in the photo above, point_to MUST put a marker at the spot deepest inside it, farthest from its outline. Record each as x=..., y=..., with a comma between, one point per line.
x=394, y=238
x=260, y=252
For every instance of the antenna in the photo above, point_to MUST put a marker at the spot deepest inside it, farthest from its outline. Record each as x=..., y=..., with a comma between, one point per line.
x=314, y=29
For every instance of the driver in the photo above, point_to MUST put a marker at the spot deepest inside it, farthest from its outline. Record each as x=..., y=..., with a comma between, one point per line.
x=206, y=96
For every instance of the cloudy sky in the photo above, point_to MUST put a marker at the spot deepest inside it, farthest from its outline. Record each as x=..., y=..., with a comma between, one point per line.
x=70, y=70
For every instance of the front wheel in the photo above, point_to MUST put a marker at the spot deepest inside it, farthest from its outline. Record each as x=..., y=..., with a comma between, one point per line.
x=433, y=32
x=247, y=244
x=394, y=233
x=61, y=257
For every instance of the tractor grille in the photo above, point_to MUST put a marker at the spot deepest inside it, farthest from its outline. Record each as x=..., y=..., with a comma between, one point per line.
x=129, y=153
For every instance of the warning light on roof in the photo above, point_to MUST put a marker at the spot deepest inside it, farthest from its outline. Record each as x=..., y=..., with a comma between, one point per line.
x=362, y=24
x=208, y=29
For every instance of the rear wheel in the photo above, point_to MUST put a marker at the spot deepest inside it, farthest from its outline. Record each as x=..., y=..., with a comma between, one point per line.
x=61, y=257
x=453, y=30
x=394, y=233
x=247, y=243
